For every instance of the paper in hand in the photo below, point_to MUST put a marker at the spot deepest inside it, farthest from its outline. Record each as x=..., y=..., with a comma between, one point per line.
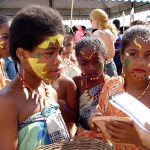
x=132, y=107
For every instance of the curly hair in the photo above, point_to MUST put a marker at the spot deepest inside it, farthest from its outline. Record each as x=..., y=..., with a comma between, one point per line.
x=31, y=25
x=93, y=42
x=133, y=32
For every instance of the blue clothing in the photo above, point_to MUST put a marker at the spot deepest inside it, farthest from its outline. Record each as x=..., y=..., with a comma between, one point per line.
x=87, y=104
x=42, y=128
x=9, y=68
x=117, y=55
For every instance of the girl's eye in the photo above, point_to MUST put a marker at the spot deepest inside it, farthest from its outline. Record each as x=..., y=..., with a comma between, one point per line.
x=82, y=63
x=132, y=54
x=147, y=55
x=61, y=51
x=49, y=53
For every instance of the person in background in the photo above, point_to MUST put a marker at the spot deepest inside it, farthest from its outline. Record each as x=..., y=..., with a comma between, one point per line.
x=9, y=68
x=30, y=115
x=135, y=57
x=80, y=32
x=4, y=51
x=137, y=22
x=117, y=60
x=69, y=59
x=107, y=32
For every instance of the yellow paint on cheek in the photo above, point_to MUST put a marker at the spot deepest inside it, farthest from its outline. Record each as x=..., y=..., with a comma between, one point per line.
x=137, y=44
x=53, y=39
x=38, y=68
x=1, y=46
x=149, y=65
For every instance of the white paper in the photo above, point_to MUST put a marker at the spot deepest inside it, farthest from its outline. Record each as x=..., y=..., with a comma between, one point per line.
x=132, y=107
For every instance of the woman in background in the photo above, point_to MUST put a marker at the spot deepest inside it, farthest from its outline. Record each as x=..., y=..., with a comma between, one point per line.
x=107, y=32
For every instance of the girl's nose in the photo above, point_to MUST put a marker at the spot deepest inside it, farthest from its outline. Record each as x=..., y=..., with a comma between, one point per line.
x=91, y=67
x=58, y=59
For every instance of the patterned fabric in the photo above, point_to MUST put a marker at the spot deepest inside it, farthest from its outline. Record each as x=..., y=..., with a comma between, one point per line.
x=87, y=106
x=113, y=86
x=42, y=128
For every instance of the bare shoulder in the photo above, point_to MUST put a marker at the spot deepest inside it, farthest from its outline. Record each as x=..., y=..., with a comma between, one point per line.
x=77, y=80
x=9, y=119
x=65, y=81
x=7, y=100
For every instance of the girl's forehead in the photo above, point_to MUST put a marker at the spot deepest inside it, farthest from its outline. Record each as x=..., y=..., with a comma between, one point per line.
x=87, y=49
x=139, y=41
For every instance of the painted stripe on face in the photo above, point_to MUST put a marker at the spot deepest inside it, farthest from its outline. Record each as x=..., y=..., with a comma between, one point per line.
x=100, y=67
x=38, y=55
x=52, y=39
x=38, y=68
x=137, y=44
x=126, y=60
x=1, y=46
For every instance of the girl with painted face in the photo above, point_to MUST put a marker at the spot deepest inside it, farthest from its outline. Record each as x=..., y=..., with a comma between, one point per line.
x=4, y=52
x=135, y=57
x=91, y=55
x=30, y=114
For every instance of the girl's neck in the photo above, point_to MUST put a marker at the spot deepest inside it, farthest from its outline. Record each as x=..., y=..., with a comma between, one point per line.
x=134, y=84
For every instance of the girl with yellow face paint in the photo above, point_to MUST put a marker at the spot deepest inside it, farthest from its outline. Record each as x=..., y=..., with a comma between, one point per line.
x=36, y=37
x=50, y=52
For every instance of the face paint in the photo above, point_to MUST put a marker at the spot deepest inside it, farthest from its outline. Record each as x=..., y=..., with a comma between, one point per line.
x=126, y=60
x=1, y=46
x=100, y=67
x=137, y=44
x=38, y=68
x=38, y=55
x=86, y=56
x=52, y=39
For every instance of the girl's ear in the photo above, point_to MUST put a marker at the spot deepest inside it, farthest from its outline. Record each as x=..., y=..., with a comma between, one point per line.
x=22, y=55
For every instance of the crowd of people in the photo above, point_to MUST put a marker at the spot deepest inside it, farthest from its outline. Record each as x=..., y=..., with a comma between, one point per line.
x=53, y=82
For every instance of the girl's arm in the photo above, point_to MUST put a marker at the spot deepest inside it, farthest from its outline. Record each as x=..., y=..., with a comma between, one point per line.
x=8, y=124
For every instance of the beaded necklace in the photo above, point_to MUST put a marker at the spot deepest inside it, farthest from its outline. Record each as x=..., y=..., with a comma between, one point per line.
x=147, y=87
x=88, y=92
x=38, y=97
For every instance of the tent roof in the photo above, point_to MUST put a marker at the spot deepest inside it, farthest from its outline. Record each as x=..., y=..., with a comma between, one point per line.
x=81, y=8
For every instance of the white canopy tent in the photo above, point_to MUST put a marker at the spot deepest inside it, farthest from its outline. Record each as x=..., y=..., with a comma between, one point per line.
x=80, y=8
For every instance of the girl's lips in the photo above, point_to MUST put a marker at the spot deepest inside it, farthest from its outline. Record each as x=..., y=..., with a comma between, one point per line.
x=93, y=75
x=139, y=70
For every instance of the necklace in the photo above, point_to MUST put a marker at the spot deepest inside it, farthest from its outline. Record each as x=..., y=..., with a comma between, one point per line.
x=38, y=97
x=147, y=87
x=88, y=92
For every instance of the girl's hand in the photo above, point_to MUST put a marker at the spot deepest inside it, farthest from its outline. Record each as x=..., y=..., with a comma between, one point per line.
x=122, y=132
x=90, y=123
x=144, y=135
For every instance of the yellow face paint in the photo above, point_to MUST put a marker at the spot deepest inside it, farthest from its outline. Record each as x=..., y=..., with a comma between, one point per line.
x=52, y=39
x=149, y=65
x=1, y=46
x=38, y=68
x=137, y=44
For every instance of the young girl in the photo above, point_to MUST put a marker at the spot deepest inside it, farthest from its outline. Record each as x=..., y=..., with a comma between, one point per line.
x=135, y=56
x=91, y=54
x=107, y=32
x=4, y=51
x=69, y=59
x=30, y=114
